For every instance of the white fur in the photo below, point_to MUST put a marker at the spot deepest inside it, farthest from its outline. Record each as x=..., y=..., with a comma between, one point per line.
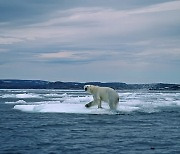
x=100, y=94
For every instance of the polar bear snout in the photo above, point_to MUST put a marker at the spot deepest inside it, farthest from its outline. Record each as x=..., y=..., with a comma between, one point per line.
x=85, y=88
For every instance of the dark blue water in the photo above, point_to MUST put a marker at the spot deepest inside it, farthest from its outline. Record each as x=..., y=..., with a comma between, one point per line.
x=133, y=132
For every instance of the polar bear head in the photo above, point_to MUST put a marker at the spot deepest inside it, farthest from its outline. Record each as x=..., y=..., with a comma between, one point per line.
x=89, y=88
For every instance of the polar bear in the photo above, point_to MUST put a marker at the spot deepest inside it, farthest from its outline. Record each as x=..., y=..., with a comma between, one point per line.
x=105, y=94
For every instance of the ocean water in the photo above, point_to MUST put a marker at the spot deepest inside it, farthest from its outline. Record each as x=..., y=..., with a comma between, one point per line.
x=56, y=121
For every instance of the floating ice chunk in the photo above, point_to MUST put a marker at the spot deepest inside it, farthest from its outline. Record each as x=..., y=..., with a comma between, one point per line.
x=8, y=96
x=63, y=108
x=52, y=95
x=27, y=95
x=77, y=99
x=64, y=95
x=25, y=108
x=128, y=108
x=24, y=95
x=17, y=102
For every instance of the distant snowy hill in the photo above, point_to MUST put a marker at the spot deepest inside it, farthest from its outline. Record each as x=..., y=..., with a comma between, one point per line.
x=40, y=84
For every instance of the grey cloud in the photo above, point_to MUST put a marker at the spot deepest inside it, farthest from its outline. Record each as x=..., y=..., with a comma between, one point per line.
x=76, y=57
x=130, y=34
x=20, y=9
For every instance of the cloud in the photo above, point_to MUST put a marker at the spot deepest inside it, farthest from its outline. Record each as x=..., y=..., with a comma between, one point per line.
x=162, y=7
x=131, y=35
x=9, y=40
x=2, y=50
x=96, y=23
x=63, y=54
x=124, y=33
x=76, y=56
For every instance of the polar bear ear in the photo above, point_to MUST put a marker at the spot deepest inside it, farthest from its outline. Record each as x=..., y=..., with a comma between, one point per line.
x=91, y=88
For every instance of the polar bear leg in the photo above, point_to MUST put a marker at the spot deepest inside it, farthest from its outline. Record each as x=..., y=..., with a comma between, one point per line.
x=92, y=103
x=99, y=104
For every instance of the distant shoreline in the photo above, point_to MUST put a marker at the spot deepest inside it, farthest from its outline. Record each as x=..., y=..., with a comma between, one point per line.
x=41, y=84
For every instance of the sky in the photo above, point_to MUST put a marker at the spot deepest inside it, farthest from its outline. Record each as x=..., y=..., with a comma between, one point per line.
x=131, y=41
